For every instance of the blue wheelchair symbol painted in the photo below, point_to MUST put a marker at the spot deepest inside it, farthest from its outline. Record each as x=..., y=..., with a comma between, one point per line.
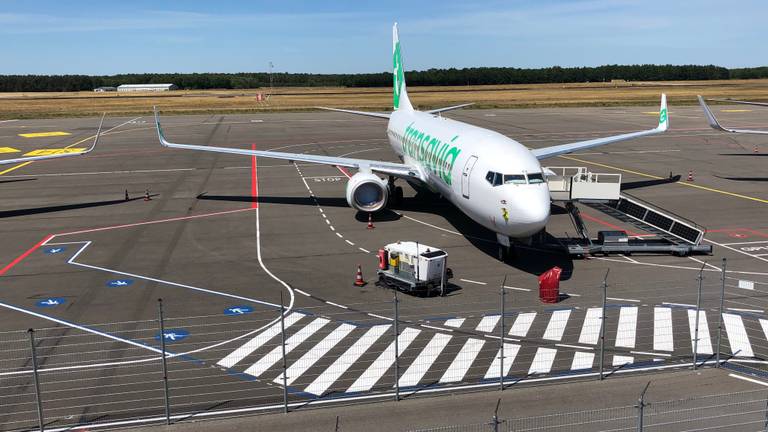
x=55, y=250
x=117, y=283
x=173, y=335
x=238, y=310
x=50, y=302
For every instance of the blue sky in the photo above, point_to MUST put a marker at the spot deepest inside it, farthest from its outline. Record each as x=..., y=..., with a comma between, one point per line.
x=108, y=37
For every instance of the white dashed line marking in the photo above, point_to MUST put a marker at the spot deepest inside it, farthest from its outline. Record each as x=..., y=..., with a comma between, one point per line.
x=340, y=236
x=364, y=250
x=350, y=243
x=474, y=282
x=626, y=300
x=516, y=288
x=336, y=304
x=301, y=292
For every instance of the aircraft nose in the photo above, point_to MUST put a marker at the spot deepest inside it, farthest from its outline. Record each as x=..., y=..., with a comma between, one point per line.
x=533, y=211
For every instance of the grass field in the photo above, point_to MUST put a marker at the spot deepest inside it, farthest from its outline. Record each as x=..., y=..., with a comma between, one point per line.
x=79, y=104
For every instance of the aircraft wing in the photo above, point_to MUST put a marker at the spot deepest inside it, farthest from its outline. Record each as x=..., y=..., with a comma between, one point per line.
x=362, y=113
x=714, y=124
x=763, y=104
x=450, y=108
x=547, y=152
x=57, y=156
x=387, y=168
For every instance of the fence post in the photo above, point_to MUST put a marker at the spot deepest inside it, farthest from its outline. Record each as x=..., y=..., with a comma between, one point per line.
x=602, y=324
x=164, y=362
x=501, y=336
x=38, y=396
x=397, y=347
x=720, y=315
x=282, y=345
x=641, y=408
x=765, y=424
x=495, y=422
x=698, y=310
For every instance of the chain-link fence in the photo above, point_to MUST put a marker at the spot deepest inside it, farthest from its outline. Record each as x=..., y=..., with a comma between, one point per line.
x=734, y=412
x=255, y=361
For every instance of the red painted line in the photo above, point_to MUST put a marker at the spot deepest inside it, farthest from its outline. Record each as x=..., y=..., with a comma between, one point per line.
x=254, y=181
x=344, y=171
x=153, y=222
x=18, y=259
x=609, y=225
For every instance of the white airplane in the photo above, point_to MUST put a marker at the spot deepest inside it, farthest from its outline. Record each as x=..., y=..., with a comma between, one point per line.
x=57, y=155
x=714, y=124
x=493, y=179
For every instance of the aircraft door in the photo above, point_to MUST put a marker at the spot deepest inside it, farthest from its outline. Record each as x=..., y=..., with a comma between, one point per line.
x=465, y=176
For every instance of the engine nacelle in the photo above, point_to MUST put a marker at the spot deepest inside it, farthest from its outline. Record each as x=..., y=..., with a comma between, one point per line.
x=367, y=192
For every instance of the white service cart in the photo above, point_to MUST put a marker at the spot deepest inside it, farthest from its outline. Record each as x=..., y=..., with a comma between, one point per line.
x=414, y=268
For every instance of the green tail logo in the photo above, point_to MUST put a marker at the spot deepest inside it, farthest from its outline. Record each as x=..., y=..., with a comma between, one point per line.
x=397, y=76
x=663, y=116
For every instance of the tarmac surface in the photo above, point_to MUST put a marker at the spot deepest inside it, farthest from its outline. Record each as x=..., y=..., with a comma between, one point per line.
x=224, y=239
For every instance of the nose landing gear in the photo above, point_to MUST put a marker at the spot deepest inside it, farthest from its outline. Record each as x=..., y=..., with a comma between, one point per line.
x=506, y=248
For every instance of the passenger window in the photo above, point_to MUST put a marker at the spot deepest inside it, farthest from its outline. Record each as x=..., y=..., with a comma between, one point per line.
x=535, y=178
x=514, y=179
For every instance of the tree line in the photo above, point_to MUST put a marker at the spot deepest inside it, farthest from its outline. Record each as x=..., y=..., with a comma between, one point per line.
x=430, y=77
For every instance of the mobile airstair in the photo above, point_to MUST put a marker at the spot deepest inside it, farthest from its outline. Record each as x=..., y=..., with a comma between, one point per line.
x=602, y=192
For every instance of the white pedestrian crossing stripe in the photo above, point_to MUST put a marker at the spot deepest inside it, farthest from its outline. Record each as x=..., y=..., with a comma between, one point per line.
x=705, y=343
x=365, y=356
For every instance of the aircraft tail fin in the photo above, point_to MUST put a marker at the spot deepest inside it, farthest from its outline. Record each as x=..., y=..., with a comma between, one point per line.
x=663, y=115
x=399, y=93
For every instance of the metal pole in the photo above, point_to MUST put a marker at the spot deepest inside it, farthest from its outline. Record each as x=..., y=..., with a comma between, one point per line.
x=602, y=324
x=765, y=425
x=720, y=315
x=397, y=348
x=164, y=362
x=696, y=327
x=38, y=397
x=495, y=421
x=501, y=336
x=641, y=408
x=282, y=344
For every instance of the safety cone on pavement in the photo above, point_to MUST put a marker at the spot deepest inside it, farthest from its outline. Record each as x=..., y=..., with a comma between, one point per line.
x=146, y=195
x=359, y=277
x=370, y=221
x=755, y=149
x=690, y=175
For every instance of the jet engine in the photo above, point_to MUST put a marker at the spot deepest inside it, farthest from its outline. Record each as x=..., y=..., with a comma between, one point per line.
x=367, y=192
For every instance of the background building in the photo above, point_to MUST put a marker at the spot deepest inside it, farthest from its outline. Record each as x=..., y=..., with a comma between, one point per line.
x=146, y=87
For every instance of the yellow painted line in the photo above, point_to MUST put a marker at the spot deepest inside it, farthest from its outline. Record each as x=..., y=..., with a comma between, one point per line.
x=8, y=150
x=733, y=194
x=44, y=134
x=16, y=167
x=53, y=151
x=651, y=112
x=735, y=110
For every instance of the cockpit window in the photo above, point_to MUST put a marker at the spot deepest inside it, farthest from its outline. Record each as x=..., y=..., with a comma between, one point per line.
x=535, y=178
x=489, y=176
x=514, y=179
x=497, y=180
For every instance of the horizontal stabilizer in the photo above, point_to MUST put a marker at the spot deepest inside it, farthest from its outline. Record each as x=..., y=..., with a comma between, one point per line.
x=450, y=108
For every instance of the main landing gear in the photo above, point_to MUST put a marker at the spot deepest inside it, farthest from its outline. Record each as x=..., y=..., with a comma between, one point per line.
x=395, y=192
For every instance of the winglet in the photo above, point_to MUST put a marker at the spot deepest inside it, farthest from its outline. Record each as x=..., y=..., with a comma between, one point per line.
x=713, y=123
x=399, y=92
x=160, y=134
x=663, y=114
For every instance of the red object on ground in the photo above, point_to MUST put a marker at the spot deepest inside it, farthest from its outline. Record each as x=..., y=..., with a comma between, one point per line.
x=383, y=264
x=359, y=277
x=370, y=221
x=690, y=175
x=549, y=285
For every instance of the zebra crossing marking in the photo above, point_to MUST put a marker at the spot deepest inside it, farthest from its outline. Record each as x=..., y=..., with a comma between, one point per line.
x=737, y=336
x=625, y=332
x=379, y=367
x=291, y=343
x=346, y=360
x=621, y=360
x=424, y=360
x=590, y=330
x=556, y=325
x=582, y=360
x=454, y=322
x=257, y=341
x=311, y=357
x=662, y=329
x=510, y=353
x=463, y=361
x=488, y=323
x=522, y=324
x=705, y=343
x=542, y=361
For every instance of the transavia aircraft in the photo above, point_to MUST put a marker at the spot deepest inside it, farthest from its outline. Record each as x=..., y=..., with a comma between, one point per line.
x=56, y=155
x=495, y=180
x=714, y=124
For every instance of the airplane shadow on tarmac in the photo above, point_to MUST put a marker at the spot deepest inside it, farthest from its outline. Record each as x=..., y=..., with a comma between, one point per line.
x=529, y=259
x=64, y=207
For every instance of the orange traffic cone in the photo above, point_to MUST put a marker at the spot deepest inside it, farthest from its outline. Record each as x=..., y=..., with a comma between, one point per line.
x=755, y=149
x=146, y=195
x=370, y=221
x=690, y=175
x=359, y=277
